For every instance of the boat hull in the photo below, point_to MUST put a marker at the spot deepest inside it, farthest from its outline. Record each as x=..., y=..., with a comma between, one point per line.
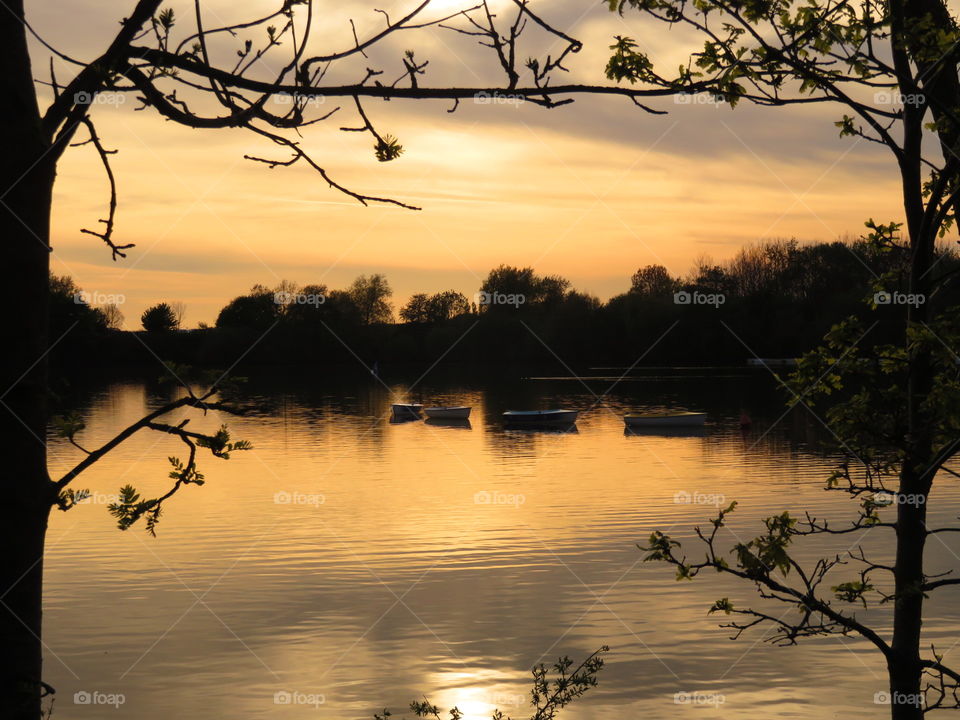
x=675, y=420
x=447, y=413
x=404, y=411
x=540, y=417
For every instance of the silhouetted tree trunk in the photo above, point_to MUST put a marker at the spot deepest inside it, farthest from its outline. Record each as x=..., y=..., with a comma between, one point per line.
x=942, y=87
x=26, y=181
x=904, y=664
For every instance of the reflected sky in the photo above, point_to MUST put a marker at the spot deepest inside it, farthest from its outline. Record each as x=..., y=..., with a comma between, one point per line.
x=366, y=564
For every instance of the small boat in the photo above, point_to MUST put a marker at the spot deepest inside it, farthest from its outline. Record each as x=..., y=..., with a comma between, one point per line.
x=406, y=410
x=540, y=417
x=448, y=413
x=681, y=419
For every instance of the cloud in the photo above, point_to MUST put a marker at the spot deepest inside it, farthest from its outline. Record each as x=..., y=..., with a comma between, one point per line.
x=589, y=191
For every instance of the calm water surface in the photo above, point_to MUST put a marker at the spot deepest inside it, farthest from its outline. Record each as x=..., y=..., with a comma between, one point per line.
x=367, y=564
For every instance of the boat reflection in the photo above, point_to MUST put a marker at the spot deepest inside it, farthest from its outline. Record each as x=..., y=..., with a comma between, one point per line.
x=664, y=431
x=457, y=423
x=552, y=428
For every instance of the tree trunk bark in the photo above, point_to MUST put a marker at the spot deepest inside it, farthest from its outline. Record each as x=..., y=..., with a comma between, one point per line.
x=904, y=664
x=904, y=667
x=25, y=487
x=905, y=671
x=26, y=184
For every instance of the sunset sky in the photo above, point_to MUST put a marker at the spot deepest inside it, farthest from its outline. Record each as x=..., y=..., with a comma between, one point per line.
x=589, y=191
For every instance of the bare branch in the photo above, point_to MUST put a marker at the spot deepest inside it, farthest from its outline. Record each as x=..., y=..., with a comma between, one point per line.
x=107, y=234
x=201, y=402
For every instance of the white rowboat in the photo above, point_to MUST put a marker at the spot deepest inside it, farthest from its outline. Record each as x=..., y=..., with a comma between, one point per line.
x=683, y=419
x=448, y=413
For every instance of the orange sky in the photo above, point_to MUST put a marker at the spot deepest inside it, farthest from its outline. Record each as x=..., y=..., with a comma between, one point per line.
x=590, y=191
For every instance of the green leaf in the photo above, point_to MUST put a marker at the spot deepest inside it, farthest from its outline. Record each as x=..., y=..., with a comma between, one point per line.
x=387, y=148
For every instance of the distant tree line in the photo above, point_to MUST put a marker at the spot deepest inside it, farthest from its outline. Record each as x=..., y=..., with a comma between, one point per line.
x=773, y=299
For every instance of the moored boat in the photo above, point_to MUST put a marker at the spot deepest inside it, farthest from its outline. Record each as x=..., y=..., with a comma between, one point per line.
x=448, y=413
x=680, y=419
x=540, y=417
x=406, y=410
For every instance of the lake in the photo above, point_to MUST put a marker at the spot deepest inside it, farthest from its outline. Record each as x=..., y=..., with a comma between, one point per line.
x=347, y=564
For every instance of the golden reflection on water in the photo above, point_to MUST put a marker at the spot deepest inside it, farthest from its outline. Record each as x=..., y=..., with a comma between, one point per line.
x=369, y=564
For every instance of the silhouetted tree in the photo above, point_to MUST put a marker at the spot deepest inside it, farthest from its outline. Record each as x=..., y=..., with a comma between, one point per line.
x=652, y=281
x=70, y=313
x=307, y=306
x=371, y=297
x=551, y=290
x=112, y=316
x=447, y=305
x=779, y=301
x=159, y=318
x=179, y=309
x=891, y=70
x=505, y=284
x=415, y=311
x=518, y=284
x=436, y=308
x=343, y=311
x=257, y=310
